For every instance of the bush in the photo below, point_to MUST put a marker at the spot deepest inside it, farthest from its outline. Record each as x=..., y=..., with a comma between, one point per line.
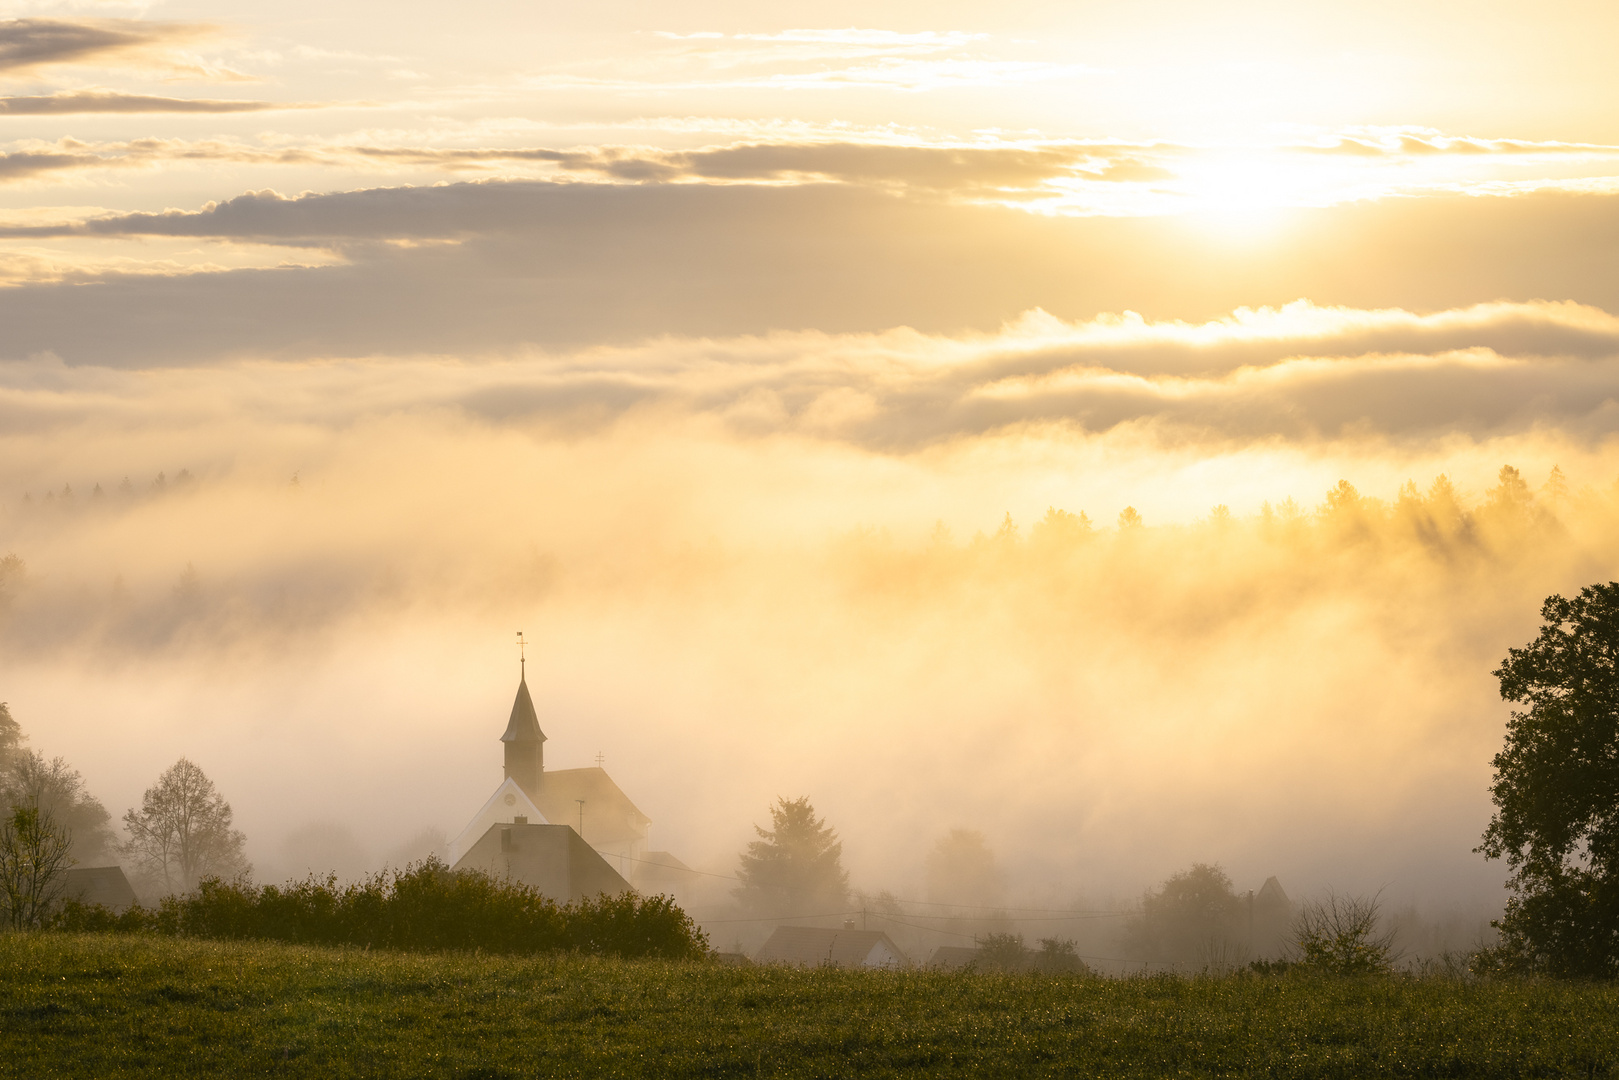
x=425, y=907
x=1340, y=936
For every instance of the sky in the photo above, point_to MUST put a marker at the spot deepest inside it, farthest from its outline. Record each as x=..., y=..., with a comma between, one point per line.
x=741, y=357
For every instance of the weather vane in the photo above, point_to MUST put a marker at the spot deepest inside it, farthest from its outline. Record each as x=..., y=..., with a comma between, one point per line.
x=522, y=656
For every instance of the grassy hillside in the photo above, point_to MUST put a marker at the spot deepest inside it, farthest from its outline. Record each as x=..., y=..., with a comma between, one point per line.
x=127, y=1005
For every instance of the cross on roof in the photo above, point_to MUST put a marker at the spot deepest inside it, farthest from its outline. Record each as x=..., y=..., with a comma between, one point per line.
x=522, y=657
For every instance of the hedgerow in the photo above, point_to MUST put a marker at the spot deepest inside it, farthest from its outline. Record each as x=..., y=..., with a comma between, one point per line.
x=425, y=907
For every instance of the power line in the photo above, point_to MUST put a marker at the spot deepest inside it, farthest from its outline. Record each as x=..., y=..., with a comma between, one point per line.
x=990, y=910
x=773, y=918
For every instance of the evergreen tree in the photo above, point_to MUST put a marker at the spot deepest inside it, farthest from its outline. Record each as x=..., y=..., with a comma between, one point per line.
x=795, y=867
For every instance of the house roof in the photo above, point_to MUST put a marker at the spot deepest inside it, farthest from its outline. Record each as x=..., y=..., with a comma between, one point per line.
x=1271, y=893
x=550, y=858
x=813, y=946
x=524, y=725
x=104, y=885
x=951, y=957
x=608, y=817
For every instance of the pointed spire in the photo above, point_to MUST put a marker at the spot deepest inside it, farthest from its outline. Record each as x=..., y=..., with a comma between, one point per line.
x=524, y=725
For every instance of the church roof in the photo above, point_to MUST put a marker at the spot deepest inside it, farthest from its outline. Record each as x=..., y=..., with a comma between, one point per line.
x=524, y=726
x=609, y=816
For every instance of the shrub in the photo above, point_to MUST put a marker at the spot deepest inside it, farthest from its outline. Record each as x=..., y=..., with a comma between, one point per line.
x=1340, y=936
x=425, y=907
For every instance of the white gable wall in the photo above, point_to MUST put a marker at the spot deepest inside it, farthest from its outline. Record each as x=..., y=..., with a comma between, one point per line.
x=508, y=802
x=881, y=956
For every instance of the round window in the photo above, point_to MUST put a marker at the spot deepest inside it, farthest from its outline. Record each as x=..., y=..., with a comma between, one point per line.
x=511, y=800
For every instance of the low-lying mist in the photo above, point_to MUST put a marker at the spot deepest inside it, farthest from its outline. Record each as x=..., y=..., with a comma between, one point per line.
x=1277, y=658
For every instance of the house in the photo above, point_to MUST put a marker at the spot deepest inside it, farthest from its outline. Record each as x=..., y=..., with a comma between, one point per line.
x=814, y=946
x=550, y=858
x=952, y=957
x=104, y=885
x=1270, y=919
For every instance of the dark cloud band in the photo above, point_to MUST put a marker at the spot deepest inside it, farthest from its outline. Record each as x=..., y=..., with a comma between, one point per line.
x=96, y=101
x=26, y=44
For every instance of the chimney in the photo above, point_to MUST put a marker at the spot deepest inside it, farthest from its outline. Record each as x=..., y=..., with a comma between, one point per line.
x=519, y=819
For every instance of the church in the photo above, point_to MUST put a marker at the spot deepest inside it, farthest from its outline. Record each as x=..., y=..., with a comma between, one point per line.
x=570, y=833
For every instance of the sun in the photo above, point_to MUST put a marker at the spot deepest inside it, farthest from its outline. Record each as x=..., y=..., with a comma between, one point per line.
x=1253, y=189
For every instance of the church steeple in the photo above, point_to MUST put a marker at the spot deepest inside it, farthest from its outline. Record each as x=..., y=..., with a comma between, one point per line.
x=524, y=741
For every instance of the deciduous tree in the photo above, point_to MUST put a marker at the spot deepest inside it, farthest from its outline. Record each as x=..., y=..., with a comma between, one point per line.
x=34, y=860
x=182, y=831
x=961, y=870
x=58, y=790
x=1556, y=791
x=1194, y=918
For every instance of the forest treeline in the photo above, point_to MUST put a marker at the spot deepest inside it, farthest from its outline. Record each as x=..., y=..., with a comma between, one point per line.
x=1431, y=537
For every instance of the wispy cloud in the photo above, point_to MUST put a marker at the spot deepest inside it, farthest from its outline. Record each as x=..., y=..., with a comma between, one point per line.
x=111, y=101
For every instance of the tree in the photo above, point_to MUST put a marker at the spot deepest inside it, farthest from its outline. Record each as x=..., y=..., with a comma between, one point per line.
x=1193, y=918
x=182, y=831
x=1003, y=952
x=961, y=869
x=1556, y=792
x=795, y=867
x=57, y=789
x=11, y=736
x=34, y=860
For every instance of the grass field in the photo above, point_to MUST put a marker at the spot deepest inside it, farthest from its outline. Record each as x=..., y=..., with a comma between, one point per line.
x=110, y=1006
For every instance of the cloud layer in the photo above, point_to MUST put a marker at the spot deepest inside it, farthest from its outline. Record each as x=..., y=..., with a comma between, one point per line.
x=480, y=269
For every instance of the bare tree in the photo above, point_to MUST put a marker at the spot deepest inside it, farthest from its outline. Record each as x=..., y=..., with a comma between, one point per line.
x=33, y=865
x=182, y=831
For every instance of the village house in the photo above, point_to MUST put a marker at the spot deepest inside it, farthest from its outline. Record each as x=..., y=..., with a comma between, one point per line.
x=815, y=946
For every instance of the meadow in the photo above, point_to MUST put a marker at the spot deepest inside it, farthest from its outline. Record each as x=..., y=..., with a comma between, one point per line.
x=116, y=1005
